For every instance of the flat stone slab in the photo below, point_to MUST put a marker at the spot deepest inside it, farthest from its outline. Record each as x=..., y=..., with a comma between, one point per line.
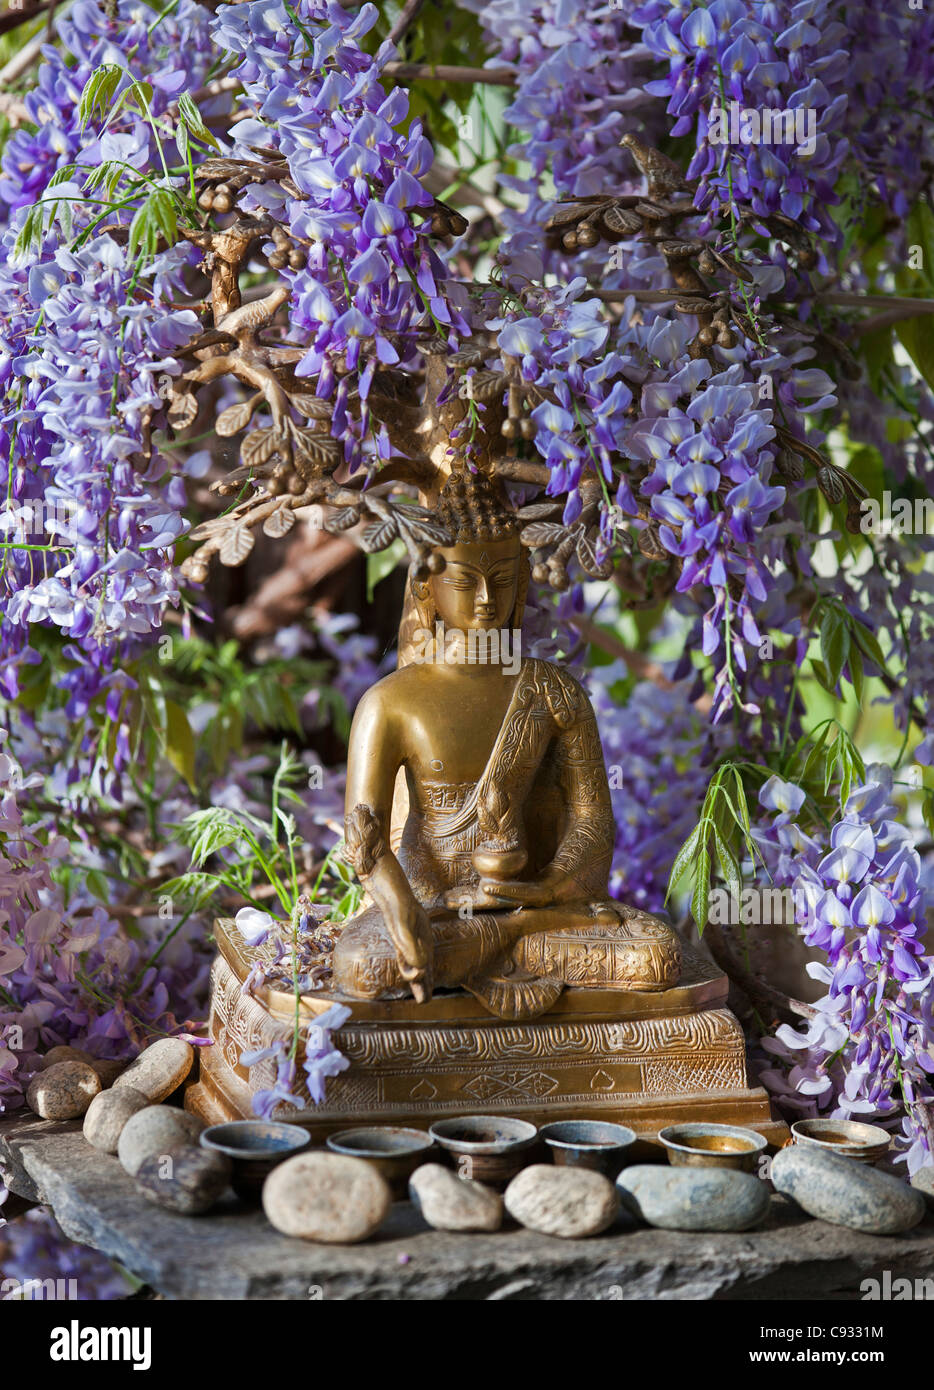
x=233, y=1253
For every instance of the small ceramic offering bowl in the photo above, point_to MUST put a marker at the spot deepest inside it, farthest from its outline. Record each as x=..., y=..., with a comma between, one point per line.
x=254, y=1148
x=392, y=1149
x=592, y=1144
x=712, y=1146
x=487, y=1148
x=865, y=1143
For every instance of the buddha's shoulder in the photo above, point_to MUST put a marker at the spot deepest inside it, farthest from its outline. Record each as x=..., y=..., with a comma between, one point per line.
x=565, y=696
x=397, y=691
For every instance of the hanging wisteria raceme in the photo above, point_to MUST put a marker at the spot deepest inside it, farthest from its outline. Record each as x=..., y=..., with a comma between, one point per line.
x=371, y=286
x=81, y=393
x=889, y=80
x=869, y=1048
x=784, y=67
x=658, y=759
x=90, y=512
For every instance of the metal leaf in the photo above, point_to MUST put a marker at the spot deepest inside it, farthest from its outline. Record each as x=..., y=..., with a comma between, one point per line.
x=830, y=484
x=280, y=522
x=235, y=418
x=312, y=407
x=734, y=266
x=570, y=212
x=536, y=511
x=649, y=544
x=322, y=449
x=620, y=220
x=342, y=519
x=423, y=528
x=237, y=545
x=469, y=356
x=379, y=536
x=587, y=555
x=652, y=211
x=245, y=473
x=679, y=250
x=182, y=410
x=543, y=533
x=260, y=446
x=486, y=385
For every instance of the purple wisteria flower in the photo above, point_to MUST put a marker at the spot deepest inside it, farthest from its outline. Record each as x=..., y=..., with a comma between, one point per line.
x=277, y=1062
x=869, y=1048
x=373, y=285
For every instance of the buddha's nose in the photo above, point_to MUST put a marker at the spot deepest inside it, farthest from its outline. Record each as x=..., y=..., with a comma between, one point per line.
x=484, y=607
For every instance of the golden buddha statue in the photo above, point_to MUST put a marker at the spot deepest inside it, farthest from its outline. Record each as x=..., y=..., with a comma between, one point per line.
x=488, y=968
x=498, y=881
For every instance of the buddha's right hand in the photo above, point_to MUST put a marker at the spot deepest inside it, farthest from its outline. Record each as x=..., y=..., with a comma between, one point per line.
x=410, y=929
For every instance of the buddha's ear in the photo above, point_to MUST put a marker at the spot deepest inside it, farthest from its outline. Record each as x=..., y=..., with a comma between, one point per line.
x=522, y=590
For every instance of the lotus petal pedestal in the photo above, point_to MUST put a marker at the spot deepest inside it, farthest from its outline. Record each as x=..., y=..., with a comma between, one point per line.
x=642, y=1059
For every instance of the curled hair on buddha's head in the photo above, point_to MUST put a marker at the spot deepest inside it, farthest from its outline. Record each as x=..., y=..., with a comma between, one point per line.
x=471, y=508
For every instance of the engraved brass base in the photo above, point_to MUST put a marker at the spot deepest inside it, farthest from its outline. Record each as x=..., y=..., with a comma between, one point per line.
x=643, y=1059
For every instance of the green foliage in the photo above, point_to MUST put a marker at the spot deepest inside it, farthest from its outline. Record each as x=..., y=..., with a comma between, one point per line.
x=381, y=563
x=183, y=672
x=826, y=758
x=158, y=203
x=722, y=835
x=442, y=33
x=844, y=640
x=916, y=334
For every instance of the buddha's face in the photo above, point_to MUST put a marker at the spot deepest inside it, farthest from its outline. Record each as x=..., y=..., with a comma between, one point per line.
x=478, y=586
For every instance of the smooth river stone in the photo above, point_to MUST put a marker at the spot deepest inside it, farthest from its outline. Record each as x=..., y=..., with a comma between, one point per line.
x=846, y=1193
x=326, y=1197
x=108, y=1069
x=63, y=1091
x=154, y=1131
x=566, y=1202
x=923, y=1181
x=64, y=1053
x=693, y=1199
x=450, y=1203
x=184, y=1179
x=159, y=1070
x=108, y=1112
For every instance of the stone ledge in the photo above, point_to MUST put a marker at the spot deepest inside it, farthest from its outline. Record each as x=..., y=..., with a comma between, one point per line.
x=234, y=1254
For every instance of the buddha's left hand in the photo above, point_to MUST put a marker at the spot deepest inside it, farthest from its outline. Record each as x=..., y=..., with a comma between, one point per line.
x=520, y=893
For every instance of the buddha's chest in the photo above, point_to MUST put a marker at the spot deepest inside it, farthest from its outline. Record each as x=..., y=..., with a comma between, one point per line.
x=452, y=732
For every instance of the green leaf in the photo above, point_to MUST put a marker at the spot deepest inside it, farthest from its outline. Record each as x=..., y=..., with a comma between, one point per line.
x=856, y=671
x=868, y=642
x=683, y=859
x=823, y=676
x=195, y=121
x=382, y=563
x=180, y=742
x=700, y=900
x=98, y=93
x=834, y=643
x=917, y=339
x=729, y=867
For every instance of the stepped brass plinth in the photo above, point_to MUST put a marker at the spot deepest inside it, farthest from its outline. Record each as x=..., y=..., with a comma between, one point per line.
x=643, y=1059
